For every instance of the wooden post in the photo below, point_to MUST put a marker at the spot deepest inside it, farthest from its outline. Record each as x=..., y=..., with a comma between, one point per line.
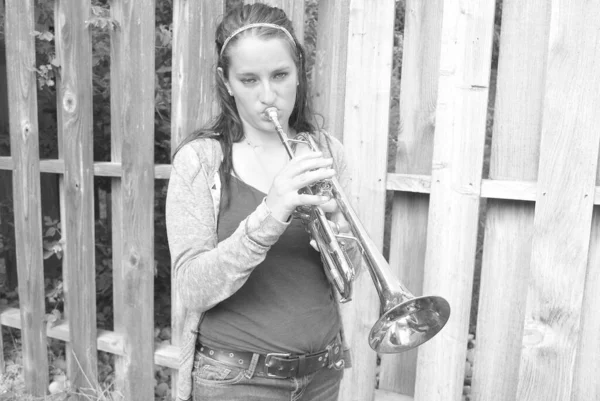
x=552, y=346
x=418, y=95
x=193, y=98
x=132, y=124
x=24, y=138
x=329, y=71
x=73, y=44
x=509, y=224
x=467, y=31
x=365, y=142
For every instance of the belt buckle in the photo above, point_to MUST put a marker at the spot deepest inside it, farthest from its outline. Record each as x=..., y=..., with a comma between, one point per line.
x=268, y=360
x=335, y=355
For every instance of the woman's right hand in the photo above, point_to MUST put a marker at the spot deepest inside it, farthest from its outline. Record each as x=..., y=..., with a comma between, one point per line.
x=304, y=170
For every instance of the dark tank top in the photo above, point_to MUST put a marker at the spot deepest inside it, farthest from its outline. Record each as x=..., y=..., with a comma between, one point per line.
x=286, y=305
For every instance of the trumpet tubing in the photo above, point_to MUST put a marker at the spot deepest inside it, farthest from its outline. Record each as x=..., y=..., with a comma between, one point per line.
x=405, y=321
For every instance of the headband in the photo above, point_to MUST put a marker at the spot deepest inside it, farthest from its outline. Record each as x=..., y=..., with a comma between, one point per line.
x=256, y=25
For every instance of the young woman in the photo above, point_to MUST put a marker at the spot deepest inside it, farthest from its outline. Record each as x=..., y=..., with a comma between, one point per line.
x=262, y=319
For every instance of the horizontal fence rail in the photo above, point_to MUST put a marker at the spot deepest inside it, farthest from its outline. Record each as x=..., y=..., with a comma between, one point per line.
x=410, y=183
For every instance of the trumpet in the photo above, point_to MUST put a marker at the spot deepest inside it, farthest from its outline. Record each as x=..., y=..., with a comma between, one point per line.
x=405, y=321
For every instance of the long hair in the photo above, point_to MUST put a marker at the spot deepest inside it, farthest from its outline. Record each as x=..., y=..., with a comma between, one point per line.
x=227, y=126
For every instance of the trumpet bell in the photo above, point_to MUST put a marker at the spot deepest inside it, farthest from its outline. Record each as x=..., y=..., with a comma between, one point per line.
x=409, y=324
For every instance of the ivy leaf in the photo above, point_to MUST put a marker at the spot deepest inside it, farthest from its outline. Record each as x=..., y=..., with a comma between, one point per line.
x=48, y=36
x=53, y=318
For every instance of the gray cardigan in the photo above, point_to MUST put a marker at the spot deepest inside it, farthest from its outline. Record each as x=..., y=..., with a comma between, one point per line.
x=207, y=271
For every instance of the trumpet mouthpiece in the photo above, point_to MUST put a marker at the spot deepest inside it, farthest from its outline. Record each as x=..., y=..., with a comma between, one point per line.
x=272, y=113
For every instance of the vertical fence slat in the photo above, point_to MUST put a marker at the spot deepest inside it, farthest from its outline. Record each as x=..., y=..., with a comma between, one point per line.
x=132, y=114
x=455, y=188
x=24, y=137
x=370, y=39
x=418, y=95
x=585, y=383
x=509, y=225
x=564, y=205
x=73, y=43
x=329, y=71
x=193, y=97
x=194, y=62
x=587, y=365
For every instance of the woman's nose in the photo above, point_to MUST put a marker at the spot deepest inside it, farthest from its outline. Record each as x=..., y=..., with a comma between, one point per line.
x=267, y=95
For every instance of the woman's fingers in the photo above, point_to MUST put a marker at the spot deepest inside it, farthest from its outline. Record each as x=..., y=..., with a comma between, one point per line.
x=330, y=206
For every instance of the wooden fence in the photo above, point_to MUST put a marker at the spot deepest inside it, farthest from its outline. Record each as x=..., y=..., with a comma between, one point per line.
x=540, y=270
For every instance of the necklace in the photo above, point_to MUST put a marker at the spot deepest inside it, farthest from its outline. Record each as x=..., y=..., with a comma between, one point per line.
x=253, y=146
x=259, y=157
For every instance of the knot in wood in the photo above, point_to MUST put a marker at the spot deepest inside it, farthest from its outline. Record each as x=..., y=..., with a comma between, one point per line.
x=25, y=130
x=69, y=101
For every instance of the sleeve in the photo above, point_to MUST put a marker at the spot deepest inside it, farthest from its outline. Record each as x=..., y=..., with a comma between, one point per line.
x=205, y=271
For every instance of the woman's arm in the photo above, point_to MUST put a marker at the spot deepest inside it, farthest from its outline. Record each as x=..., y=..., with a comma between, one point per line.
x=207, y=271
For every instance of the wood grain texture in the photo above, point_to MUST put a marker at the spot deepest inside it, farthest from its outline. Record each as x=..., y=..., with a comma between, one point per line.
x=563, y=213
x=587, y=363
x=509, y=225
x=24, y=138
x=365, y=141
x=132, y=125
x=194, y=100
x=385, y=395
x=194, y=66
x=467, y=30
x=418, y=96
x=329, y=71
x=74, y=97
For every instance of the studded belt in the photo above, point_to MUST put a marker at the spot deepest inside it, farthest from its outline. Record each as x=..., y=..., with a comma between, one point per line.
x=280, y=365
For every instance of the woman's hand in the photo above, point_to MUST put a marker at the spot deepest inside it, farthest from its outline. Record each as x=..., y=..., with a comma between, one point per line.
x=283, y=197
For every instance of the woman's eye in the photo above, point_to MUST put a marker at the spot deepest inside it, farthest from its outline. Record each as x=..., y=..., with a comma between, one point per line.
x=248, y=81
x=281, y=75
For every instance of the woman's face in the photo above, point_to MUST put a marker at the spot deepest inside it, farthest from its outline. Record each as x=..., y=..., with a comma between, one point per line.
x=262, y=74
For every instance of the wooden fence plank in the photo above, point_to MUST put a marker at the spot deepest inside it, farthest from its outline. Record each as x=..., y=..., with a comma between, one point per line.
x=455, y=189
x=587, y=364
x=194, y=62
x=370, y=39
x=418, y=95
x=509, y=225
x=193, y=98
x=329, y=71
x=132, y=125
x=563, y=212
x=73, y=44
x=24, y=137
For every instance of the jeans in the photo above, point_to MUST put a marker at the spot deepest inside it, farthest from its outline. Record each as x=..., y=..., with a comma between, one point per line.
x=216, y=381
